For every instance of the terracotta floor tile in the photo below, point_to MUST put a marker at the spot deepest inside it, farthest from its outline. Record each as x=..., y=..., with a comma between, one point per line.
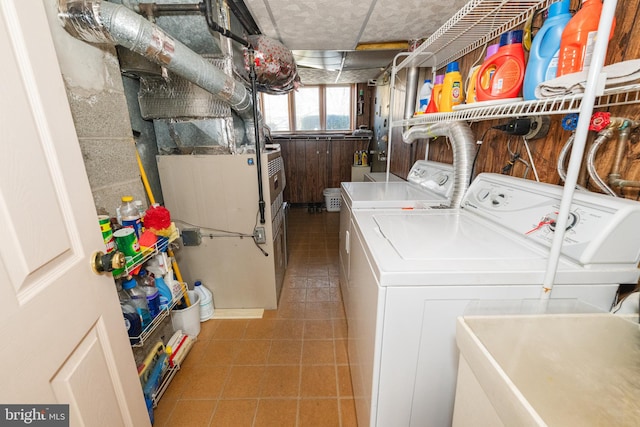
x=291, y=329
x=342, y=357
x=281, y=381
x=318, y=329
x=192, y=413
x=293, y=295
x=205, y=382
x=292, y=310
x=318, y=352
x=207, y=329
x=344, y=381
x=276, y=413
x=196, y=353
x=339, y=328
x=220, y=352
x=319, y=310
x=269, y=314
x=285, y=352
x=244, y=381
x=348, y=413
x=230, y=329
x=319, y=413
x=318, y=294
x=235, y=413
x=163, y=411
x=319, y=271
x=252, y=352
x=261, y=328
x=318, y=381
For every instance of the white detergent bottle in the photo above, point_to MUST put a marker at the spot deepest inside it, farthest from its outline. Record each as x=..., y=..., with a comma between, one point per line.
x=206, y=301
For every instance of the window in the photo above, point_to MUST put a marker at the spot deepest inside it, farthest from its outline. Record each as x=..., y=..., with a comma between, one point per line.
x=310, y=109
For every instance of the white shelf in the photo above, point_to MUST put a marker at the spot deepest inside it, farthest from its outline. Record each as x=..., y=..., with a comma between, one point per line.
x=477, y=23
x=622, y=95
x=151, y=327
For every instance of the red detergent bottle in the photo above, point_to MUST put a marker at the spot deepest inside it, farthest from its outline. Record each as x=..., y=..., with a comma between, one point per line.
x=509, y=66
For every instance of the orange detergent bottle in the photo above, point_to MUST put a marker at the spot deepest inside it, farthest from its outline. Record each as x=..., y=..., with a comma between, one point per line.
x=471, y=87
x=509, y=66
x=578, y=38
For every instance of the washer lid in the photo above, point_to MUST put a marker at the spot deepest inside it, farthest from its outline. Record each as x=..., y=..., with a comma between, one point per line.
x=360, y=195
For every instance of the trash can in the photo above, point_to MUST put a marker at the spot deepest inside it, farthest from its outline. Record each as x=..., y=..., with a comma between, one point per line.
x=188, y=319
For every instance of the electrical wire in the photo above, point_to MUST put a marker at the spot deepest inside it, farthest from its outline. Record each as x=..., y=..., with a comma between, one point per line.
x=227, y=232
x=475, y=157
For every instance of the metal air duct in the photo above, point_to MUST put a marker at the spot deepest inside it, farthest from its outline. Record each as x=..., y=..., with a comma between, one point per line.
x=96, y=21
x=463, y=143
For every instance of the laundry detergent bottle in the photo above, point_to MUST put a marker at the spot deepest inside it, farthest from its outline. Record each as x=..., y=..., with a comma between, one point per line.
x=451, y=88
x=436, y=92
x=543, y=55
x=579, y=37
x=471, y=86
x=424, y=96
x=508, y=77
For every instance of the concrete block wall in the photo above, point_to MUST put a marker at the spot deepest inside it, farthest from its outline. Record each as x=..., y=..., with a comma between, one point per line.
x=96, y=96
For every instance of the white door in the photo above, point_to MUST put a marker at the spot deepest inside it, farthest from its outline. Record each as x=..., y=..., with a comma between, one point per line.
x=62, y=332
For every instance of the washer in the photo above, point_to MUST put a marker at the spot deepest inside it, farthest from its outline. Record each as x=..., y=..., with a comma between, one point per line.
x=413, y=272
x=428, y=184
x=381, y=177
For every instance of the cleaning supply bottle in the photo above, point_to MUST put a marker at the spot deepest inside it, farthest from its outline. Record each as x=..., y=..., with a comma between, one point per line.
x=147, y=284
x=509, y=65
x=424, y=97
x=451, y=88
x=206, y=301
x=471, y=85
x=132, y=319
x=543, y=55
x=578, y=38
x=139, y=300
x=436, y=92
x=130, y=216
x=166, y=297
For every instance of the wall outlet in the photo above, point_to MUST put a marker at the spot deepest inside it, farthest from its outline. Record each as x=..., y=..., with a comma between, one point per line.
x=259, y=235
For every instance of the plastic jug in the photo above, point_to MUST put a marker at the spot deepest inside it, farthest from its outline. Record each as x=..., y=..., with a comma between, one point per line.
x=139, y=300
x=206, y=301
x=578, y=38
x=471, y=86
x=424, y=97
x=543, y=55
x=451, y=94
x=508, y=62
x=165, y=293
x=147, y=284
x=436, y=92
x=130, y=215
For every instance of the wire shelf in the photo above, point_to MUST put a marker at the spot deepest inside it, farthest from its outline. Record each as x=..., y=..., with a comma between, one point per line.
x=622, y=95
x=140, y=340
x=477, y=23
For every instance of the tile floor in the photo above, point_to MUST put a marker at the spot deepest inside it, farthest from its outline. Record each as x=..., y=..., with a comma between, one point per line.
x=287, y=369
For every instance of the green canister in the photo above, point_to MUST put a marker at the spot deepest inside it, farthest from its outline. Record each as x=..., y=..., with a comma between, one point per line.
x=107, y=234
x=127, y=243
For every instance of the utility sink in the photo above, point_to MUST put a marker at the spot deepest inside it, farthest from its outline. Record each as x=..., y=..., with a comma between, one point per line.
x=549, y=369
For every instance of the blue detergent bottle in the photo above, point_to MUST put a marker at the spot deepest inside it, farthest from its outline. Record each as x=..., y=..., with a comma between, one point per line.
x=543, y=56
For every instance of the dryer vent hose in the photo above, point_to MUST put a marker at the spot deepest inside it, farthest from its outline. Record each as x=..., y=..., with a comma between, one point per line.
x=463, y=143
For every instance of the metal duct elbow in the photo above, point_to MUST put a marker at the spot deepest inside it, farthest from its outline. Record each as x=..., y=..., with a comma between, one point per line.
x=95, y=21
x=463, y=143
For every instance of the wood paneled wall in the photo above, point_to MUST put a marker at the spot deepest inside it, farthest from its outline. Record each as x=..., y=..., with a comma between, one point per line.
x=312, y=164
x=494, y=152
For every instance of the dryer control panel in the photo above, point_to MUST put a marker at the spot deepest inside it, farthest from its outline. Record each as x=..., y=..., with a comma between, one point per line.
x=600, y=228
x=435, y=176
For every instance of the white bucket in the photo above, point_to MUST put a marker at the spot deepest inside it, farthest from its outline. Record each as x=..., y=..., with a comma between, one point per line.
x=188, y=319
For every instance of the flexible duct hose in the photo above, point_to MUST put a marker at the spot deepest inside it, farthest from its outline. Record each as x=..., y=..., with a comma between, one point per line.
x=562, y=171
x=463, y=143
x=603, y=136
x=95, y=21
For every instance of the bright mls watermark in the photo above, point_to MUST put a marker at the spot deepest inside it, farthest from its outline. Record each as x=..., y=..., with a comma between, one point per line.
x=34, y=415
